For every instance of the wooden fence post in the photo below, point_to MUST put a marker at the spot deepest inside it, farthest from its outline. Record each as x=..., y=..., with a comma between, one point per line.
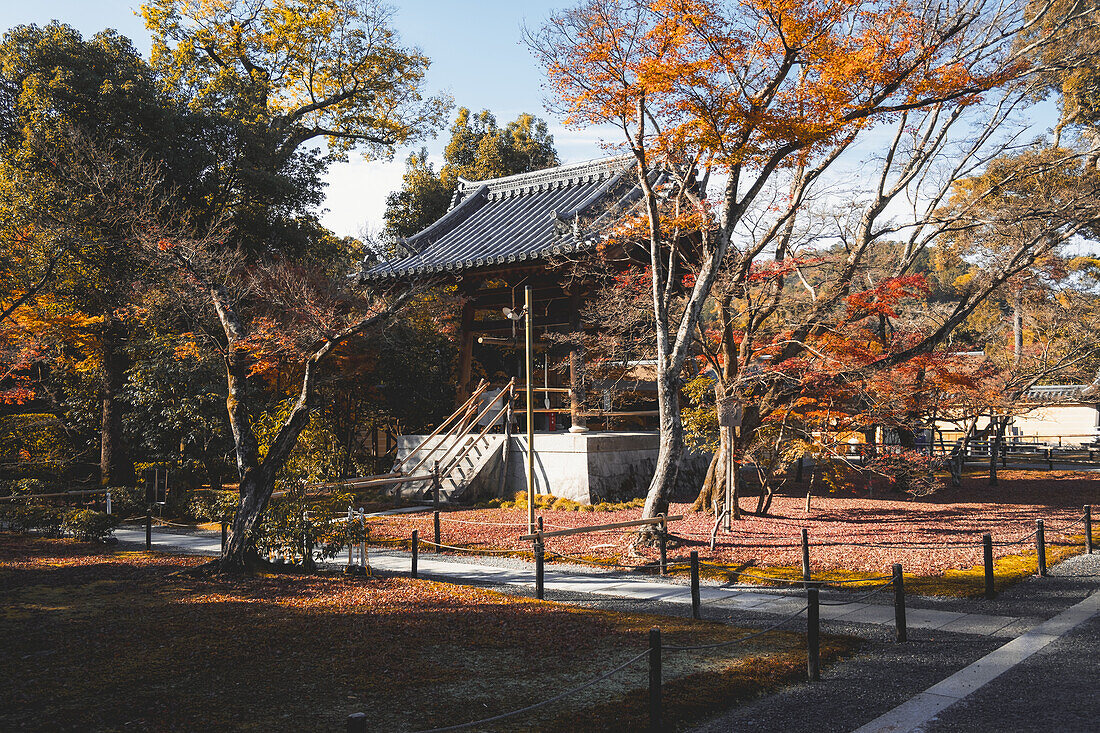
x=1088, y=528
x=357, y=723
x=899, y=603
x=662, y=529
x=415, y=551
x=987, y=558
x=805, y=558
x=1050, y=461
x=655, y=679
x=435, y=520
x=1040, y=548
x=149, y=528
x=540, y=559
x=694, y=584
x=813, y=634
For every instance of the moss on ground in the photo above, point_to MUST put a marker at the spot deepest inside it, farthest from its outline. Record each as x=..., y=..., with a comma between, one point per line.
x=958, y=583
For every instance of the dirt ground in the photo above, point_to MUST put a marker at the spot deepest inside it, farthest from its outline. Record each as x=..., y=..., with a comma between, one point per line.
x=850, y=532
x=102, y=639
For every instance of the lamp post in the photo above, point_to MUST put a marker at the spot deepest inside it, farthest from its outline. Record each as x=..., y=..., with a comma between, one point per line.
x=529, y=323
x=529, y=342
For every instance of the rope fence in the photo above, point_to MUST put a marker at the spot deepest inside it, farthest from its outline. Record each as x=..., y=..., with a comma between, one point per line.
x=357, y=722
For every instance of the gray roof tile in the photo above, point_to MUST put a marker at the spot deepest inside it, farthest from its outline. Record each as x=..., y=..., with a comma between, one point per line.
x=517, y=219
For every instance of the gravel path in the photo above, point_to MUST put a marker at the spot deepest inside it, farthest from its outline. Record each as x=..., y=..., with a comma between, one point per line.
x=1054, y=690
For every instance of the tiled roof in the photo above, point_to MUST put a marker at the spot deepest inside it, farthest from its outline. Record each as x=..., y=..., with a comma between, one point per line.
x=518, y=219
x=1056, y=393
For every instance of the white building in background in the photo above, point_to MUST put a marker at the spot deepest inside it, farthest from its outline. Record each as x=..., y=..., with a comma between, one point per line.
x=1058, y=414
x=1049, y=414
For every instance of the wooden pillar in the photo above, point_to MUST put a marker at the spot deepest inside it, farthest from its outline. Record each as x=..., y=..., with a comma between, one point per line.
x=465, y=351
x=576, y=372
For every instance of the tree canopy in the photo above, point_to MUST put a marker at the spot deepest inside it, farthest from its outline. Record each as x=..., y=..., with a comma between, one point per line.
x=478, y=150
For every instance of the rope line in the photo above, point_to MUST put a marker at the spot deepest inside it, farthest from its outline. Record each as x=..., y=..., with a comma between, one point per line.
x=538, y=705
x=596, y=563
x=471, y=549
x=739, y=639
x=1066, y=526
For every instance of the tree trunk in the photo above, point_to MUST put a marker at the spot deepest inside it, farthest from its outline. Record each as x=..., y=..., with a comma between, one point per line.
x=114, y=466
x=671, y=447
x=714, y=484
x=1017, y=329
x=257, y=485
x=995, y=448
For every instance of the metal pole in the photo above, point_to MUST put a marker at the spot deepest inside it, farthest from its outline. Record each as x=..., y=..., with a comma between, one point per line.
x=899, y=603
x=529, y=328
x=108, y=502
x=350, y=543
x=149, y=528
x=813, y=634
x=415, y=551
x=694, y=584
x=1041, y=548
x=987, y=553
x=435, y=489
x=655, y=679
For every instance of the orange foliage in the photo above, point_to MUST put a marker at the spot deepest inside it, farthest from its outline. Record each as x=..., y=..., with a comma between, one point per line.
x=740, y=81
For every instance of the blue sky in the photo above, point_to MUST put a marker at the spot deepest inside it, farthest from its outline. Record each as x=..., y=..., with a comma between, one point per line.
x=477, y=56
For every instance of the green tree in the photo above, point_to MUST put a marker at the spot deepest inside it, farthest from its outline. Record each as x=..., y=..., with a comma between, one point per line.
x=478, y=150
x=64, y=102
x=278, y=78
x=423, y=198
x=282, y=76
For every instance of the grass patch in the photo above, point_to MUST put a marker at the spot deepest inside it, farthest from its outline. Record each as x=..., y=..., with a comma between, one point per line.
x=549, y=502
x=97, y=639
x=954, y=583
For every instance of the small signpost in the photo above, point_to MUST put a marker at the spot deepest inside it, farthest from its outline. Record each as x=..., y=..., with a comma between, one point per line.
x=730, y=412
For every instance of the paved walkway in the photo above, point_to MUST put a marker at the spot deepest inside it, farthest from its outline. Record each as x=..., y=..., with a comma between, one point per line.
x=928, y=705
x=620, y=585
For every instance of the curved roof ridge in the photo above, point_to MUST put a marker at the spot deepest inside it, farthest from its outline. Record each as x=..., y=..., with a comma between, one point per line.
x=596, y=166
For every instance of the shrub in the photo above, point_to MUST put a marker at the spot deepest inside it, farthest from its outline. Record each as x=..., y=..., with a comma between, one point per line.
x=298, y=520
x=907, y=470
x=553, y=503
x=87, y=525
x=127, y=501
x=214, y=506
x=26, y=517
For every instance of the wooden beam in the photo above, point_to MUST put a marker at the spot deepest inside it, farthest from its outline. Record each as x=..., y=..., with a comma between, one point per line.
x=505, y=325
x=601, y=527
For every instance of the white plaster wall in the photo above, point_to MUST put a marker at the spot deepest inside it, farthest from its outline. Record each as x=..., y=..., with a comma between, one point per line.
x=1070, y=421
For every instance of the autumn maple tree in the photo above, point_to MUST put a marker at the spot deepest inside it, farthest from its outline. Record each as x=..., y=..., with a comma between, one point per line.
x=733, y=111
